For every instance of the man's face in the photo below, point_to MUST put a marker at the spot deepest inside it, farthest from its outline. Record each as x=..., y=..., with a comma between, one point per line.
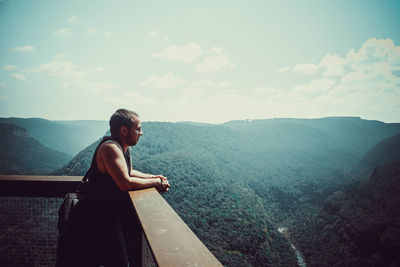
x=134, y=132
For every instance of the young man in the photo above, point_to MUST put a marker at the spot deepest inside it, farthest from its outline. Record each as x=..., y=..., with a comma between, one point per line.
x=125, y=127
x=103, y=228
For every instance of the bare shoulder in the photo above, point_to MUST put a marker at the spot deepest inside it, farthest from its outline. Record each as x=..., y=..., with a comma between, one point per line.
x=110, y=148
x=108, y=152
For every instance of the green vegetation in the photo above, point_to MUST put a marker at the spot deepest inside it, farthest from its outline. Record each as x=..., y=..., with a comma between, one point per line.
x=234, y=184
x=360, y=224
x=22, y=154
x=68, y=137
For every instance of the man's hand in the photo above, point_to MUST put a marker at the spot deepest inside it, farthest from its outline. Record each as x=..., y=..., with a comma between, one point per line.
x=163, y=184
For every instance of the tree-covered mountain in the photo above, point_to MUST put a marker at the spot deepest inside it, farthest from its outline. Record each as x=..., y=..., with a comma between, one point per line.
x=360, y=224
x=355, y=134
x=235, y=183
x=69, y=137
x=383, y=153
x=22, y=154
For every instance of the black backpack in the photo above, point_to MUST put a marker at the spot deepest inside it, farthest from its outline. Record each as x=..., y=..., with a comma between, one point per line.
x=71, y=199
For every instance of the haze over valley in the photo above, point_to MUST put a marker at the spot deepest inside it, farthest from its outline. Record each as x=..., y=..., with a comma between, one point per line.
x=235, y=184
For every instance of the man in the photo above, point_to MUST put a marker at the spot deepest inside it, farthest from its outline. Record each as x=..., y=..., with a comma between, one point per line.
x=103, y=228
x=125, y=127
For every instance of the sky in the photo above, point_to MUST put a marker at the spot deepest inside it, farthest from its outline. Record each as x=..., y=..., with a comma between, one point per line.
x=203, y=61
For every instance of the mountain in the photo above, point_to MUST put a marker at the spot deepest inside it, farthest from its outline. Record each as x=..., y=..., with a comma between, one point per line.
x=383, y=153
x=360, y=224
x=235, y=183
x=352, y=133
x=22, y=154
x=69, y=137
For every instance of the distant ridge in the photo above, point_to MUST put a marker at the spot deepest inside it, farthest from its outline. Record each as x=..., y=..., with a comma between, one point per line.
x=69, y=137
x=362, y=221
x=22, y=154
x=234, y=183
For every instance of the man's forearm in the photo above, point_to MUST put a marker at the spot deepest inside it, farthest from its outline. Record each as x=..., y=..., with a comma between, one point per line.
x=135, y=173
x=136, y=183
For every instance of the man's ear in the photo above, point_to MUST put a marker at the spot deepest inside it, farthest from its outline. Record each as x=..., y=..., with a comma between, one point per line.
x=124, y=131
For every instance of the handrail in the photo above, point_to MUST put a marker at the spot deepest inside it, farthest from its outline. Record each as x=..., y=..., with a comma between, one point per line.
x=38, y=185
x=170, y=240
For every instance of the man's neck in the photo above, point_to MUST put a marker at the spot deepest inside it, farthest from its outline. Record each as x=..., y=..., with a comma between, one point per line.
x=120, y=141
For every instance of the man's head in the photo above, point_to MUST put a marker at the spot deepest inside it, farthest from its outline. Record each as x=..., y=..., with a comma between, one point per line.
x=126, y=124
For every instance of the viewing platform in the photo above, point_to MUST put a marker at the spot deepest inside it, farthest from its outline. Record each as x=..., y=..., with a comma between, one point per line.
x=28, y=224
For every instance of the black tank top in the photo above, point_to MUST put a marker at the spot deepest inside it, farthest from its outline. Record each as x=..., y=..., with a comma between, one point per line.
x=98, y=184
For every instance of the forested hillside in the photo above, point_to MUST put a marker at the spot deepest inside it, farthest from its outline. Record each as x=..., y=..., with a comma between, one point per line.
x=22, y=154
x=235, y=183
x=69, y=137
x=359, y=225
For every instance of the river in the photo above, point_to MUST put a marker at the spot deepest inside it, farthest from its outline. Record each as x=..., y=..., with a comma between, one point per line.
x=300, y=260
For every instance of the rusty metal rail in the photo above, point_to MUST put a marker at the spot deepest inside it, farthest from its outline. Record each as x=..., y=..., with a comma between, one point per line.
x=170, y=239
x=167, y=240
x=37, y=185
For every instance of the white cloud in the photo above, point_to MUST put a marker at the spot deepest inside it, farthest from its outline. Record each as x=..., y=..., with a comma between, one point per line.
x=265, y=90
x=217, y=50
x=210, y=84
x=371, y=51
x=107, y=34
x=19, y=76
x=364, y=83
x=61, y=68
x=60, y=56
x=284, y=69
x=331, y=61
x=63, y=33
x=92, y=69
x=167, y=81
x=23, y=49
x=314, y=88
x=9, y=67
x=355, y=76
x=73, y=20
x=333, y=65
x=131, y=98
x=91, y=31
x=214, y=63
x=309, y=69
x=192, y=94
x=185, y=54
x=2, y=85
x=96, y=88
x=153, y=33
x=369, y=90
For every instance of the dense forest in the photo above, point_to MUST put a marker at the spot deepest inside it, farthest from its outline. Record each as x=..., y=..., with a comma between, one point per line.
x=69, y=137
x=358, y=225
x=22, y=154
x=236, y=183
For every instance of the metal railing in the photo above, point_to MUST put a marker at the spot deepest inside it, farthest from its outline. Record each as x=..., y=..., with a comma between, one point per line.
x=29, y=205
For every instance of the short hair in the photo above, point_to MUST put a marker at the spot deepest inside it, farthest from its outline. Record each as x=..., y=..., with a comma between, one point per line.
x=121, y=117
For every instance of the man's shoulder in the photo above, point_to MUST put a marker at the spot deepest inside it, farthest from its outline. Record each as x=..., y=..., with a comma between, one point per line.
x=110, y=146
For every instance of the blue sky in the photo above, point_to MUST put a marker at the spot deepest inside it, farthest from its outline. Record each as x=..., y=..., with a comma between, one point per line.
x=206, y=61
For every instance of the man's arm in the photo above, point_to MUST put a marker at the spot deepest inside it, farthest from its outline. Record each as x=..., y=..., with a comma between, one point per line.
x=136, y=173
x=113, y=161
